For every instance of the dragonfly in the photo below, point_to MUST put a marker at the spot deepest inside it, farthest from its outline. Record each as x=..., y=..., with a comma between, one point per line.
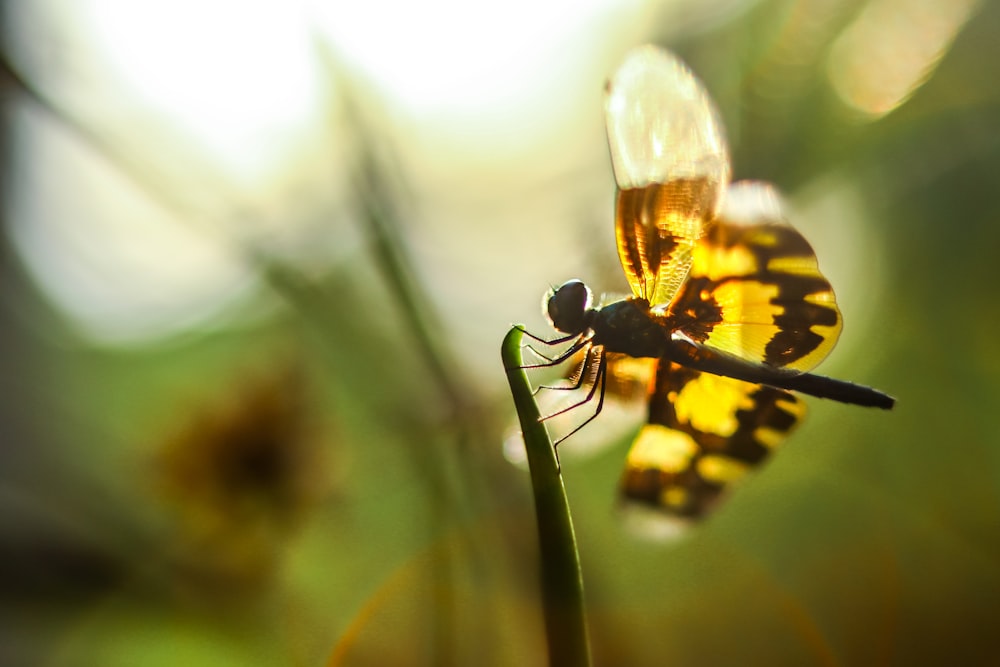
x=729, y=311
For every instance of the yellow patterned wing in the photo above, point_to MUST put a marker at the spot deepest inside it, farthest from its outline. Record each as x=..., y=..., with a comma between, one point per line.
x=671, y=165
x=755, y=290
x=704, y=433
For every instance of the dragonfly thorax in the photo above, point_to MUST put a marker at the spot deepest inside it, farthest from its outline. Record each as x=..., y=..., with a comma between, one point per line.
x=626, y=326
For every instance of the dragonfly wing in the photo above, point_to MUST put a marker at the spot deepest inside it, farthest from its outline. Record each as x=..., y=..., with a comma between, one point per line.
x=755, y=290
x=671, y=164
x=704, y=433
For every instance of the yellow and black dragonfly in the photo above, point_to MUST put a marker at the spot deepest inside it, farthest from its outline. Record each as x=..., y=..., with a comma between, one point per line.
x=729, y=311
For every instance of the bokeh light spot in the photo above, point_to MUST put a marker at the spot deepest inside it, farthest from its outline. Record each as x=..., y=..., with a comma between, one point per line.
x=891, y=49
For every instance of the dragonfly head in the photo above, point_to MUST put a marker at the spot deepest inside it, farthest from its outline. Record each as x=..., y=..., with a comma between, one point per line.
x=568, y=307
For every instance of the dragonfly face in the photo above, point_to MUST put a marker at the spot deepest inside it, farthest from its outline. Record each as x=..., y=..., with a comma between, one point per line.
x=727, y=298
x=567, y=307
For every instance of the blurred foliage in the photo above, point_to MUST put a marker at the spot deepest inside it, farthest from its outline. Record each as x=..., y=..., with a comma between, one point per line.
x=310, y=485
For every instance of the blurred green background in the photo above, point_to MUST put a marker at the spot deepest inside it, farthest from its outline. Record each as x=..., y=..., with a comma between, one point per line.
x=257, y=260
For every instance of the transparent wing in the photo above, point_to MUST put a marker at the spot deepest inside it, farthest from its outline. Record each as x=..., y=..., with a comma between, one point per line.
x=671, y=164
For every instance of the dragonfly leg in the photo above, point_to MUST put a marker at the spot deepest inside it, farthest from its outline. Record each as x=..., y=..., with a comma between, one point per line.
x=601, y=379
x=580, y=344
x=543, y=341
x=581, y=374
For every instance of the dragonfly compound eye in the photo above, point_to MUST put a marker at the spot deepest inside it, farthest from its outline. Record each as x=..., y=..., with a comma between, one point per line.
x=568, y=305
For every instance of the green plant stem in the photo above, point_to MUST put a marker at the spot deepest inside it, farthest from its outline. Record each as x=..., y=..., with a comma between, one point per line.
x=561, y=580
